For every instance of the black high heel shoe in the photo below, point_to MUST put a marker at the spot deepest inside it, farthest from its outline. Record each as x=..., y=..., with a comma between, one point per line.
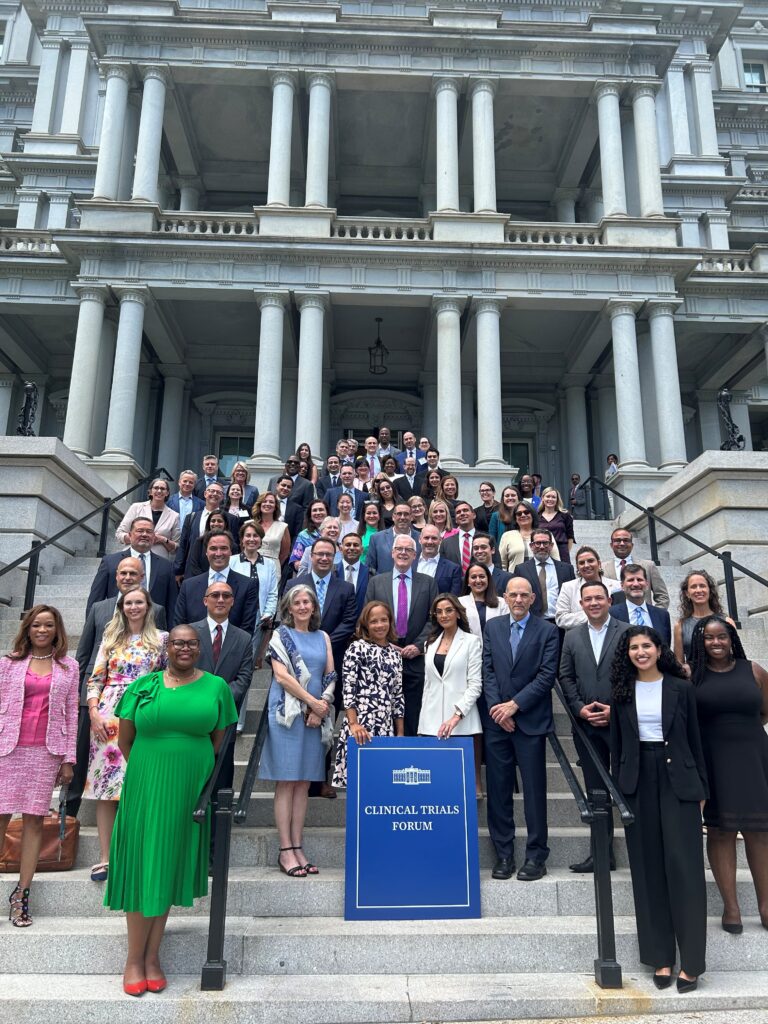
x=686, y=984
x=662, y=980
x=19, y=915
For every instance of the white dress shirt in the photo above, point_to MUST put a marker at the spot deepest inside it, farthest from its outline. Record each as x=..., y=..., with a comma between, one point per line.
x=648, y=707
x=553, y=586
x=212, y=573
x=428, y=566
x=597, y=638
x=350, y=577
x=396, y=587
x=643, y=608
x=146, y=561
x=212, y=628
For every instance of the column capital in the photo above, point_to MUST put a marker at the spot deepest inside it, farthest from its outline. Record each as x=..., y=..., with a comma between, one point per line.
x=621, y=307
x=606, y=87
x=283, y=77
x=679, y=63
x=575, y=380
x=116, y=69
x=324, y=78
x=441, y=82
x=489, y=303
x=662, y=307
x=700, y=66
x=51, y=42
x=59, y=198
x=688, y=216
x=448, y=304
x=136, y=293
x=278, y=299
x=638, y=90
x=79, y=43
x=486, y=83
x=312, y=300
x=716, y=216
x=160, y=72
x=90, y=292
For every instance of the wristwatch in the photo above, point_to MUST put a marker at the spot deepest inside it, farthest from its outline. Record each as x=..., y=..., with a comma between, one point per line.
x=458, y=711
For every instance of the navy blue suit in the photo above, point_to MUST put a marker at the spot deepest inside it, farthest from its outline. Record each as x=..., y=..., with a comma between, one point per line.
x=447, y=577
x=358, y=500
x=659, y=618
x=162, y=585
x=528, y=681
x=245, y=608
x=362, y=584
x=173, y=502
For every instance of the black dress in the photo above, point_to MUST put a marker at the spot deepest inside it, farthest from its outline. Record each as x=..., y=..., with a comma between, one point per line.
x=735, y=749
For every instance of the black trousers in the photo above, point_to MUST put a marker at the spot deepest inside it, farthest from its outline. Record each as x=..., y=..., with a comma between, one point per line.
x=666, y=859
x=77, y=785
x=504, y=751
x=413, y=692
x=601, y=743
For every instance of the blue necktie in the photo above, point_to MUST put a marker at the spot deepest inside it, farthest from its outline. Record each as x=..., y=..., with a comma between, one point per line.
x=320, y=588
x=218, y=577
x=515, y=635
x=639, y=620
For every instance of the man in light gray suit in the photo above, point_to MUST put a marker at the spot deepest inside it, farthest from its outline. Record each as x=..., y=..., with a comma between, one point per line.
x=129, y=575
x=585, y=676
x=410, y=595
x=622, y=542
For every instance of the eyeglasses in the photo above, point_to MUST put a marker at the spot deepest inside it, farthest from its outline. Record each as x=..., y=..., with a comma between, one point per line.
x=518, y=514
x=219, y=595
x=180, y=645
x=540, y=543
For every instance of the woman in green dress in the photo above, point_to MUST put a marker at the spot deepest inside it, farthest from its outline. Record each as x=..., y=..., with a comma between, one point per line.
x=171, y=726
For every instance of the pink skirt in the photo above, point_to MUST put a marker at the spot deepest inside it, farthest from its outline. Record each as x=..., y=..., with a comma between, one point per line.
x=27, y=779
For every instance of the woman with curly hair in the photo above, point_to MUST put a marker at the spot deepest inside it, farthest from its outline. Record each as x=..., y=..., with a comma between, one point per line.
x=658, y=763
x=732, y=704
x=698, y=599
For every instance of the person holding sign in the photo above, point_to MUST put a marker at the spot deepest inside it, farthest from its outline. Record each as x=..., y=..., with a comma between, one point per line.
x=373, y=685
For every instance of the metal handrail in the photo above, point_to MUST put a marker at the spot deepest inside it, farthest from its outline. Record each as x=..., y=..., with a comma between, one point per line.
x=723, y=556
x=33, y=555
x=252, y=767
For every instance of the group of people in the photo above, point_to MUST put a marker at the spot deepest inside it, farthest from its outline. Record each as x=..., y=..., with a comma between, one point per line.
x=377, y=593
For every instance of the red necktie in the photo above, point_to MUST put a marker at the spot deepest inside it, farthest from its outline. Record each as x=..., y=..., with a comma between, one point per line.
x=217, y=645
x=465, y=553
x=372, y=469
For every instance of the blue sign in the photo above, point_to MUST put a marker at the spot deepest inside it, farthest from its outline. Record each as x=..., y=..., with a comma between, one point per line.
x=411, y=830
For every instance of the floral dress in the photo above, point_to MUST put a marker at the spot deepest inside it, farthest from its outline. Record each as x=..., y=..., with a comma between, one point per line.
x=373, y=686
x=111, y=678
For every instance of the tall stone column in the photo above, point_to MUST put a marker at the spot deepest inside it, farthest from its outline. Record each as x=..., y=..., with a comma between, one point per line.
x=103, y=382
x=189, y=193
x=669, y=406
x=287, y=413
x=150, y=134
x=626, y=372
x=483, y=145
x=701, y=89
x=125, y=376
x=647, y=150
x=45, y=95
x=429, y=406
x=28, y=209
x=270, y=379
x=490, y=449
x=143, y=416
x=77, y=80
x=448, y=313
x=58, y=209
x=468, y=433
x=7, y=382
x=677, y=103
x=279, y=181
x=112, y=130
x=611, y=155
x=565, y=205
x=309, y=402
x=82, y=382
x=578, y=432
x=447, y=143
x=320, y=86
x=170, y=424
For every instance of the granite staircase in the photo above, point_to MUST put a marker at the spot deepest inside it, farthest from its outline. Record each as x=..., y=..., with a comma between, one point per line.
x=291, y=956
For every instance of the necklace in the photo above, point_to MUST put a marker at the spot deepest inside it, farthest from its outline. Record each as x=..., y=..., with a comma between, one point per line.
x=179, y=680
x=41, y=657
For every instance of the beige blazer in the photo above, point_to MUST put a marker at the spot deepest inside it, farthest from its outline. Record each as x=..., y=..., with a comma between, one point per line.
x=459, y=686
x=167, y=526
x=568, y=611
x=513, y=550
x=468, y=603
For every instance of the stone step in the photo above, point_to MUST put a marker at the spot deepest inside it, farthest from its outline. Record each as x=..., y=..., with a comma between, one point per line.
x=330, y=946
x=735, y=996
x=266, y=892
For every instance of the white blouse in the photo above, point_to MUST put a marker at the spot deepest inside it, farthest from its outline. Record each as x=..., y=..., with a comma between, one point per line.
x=648, y=706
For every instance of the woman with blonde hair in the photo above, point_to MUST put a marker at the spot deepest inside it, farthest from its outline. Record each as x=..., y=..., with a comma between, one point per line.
x=241, y=475
x=440, y=516
x=132, y=646
x=166, y=521
x=558, y=520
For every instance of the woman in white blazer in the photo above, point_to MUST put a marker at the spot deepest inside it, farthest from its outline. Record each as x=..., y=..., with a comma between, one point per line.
x=167, y=529
x=479, y=598
x=453, y=677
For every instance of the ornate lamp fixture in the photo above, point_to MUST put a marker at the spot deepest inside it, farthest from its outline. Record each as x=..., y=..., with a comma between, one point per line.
x=377, y=352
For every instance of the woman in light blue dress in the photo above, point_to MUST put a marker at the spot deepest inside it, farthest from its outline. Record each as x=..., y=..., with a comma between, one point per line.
x=300, y=703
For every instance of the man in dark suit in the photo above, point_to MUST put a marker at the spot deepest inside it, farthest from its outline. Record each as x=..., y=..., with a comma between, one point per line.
x=410, y=595
x=195, y=526
x=410, y=451
x=543, y=567
x=484, y=552
x=347, y=486
x=458, y=548
x=291, y=512
x=519, y=668
x=407, y=485
x=446, y=574
x=379, y=556
x=162, y=587
x=190, y=606
x=585, y=675
x=185, y=501
x=433, y=462
x=330, y=478
x=634, y=609
x=352, y=570
x=211, y=475
x=303, y=491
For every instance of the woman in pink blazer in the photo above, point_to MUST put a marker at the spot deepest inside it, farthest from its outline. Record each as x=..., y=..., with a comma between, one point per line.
x=167, y=529
x=39, y=698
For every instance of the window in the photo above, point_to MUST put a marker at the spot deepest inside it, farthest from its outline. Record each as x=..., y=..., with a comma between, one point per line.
x=754, y=77
x=232, y=449
x=517, y=452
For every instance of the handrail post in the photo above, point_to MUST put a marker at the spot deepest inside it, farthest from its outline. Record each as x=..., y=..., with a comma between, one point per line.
x=652, y=539
x=607, y=969
x=214, y=974
x=29, y=591
x=104, y=530
x=730, y=588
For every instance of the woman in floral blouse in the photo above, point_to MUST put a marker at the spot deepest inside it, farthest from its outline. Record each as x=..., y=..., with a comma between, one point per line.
x=373, y=685
x=132, y=646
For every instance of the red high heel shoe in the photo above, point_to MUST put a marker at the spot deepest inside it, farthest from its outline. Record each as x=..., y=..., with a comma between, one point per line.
x=156, y=984
x=135, y=988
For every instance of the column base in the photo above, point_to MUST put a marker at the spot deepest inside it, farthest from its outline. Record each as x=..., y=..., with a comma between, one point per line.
x=262, y=468
x=294, y=221
x=107, y=215
x=637, y=481
x=468, y=227
x=658, y=232
x=119, y=472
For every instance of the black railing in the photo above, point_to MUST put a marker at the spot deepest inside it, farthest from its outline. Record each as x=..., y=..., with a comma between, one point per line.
x=33, y=555
x=595, y=810
x=249, y=779
x=723, y=556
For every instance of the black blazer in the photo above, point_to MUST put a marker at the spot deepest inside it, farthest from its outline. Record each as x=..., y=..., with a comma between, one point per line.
x=294, y=518
x=162, y=585
x=404, y=489
x=423, y=593
x=483, y=517
x=191, y=532
x=451, y=547
x=581, y=677
x=325, y=483
x=303, y=491
x=235, y=664
x=245, y=608
x=683, y=754
x=659, y=618
x=201, y=485
x=358, y=500
x=530, y=680
x=530, y=572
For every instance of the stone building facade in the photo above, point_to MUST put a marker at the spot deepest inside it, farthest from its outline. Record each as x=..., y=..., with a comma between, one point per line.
x=558, y=211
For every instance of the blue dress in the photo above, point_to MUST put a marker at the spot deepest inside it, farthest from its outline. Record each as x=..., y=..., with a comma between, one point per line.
x=290, y=755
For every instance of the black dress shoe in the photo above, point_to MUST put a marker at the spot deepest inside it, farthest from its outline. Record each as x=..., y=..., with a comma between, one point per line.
x=503, y=868
x=587, y=867
x=684, y=985
x=531, y=872
x=662, y=980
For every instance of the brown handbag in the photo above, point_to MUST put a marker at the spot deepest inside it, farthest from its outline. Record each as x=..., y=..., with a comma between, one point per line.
x=57, y=852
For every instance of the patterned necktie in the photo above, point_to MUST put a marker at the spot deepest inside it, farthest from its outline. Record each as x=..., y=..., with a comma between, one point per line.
x=372, y=466
x=543, y=586
x=320, y=588
x=350, y=574
x=217, y=641
x=622, y=563
x=218, y=577
x=401, y=619
x=639, y=620
x=514, y=639
x=466, y=553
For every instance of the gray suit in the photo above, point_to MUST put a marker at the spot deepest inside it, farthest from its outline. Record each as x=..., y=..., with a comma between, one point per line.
x=379, y=557
x=235, y=664
x=423, y=593
x=659, y=590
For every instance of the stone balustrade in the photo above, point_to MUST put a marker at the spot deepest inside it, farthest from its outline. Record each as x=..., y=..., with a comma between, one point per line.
x=37, y=242
x=381, y=230
x=208, y=224
x=553, y=234
x=759, y=192
x=726, y=263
